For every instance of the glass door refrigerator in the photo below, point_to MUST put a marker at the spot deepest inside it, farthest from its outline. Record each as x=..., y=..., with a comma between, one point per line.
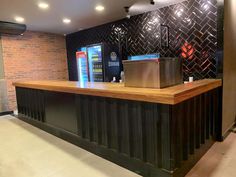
x=82, y=65
x=95, y=63
x=102, y=63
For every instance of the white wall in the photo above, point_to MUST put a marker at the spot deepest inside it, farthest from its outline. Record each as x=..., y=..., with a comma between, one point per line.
x=229, y=74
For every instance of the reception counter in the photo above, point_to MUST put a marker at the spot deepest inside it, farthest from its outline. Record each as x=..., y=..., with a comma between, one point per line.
x=153, y=132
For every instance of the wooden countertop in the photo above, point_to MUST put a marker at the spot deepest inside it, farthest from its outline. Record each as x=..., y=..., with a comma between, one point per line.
x=170, y=95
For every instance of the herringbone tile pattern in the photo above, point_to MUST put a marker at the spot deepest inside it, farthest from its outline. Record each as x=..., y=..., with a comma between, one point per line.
x=193, y=22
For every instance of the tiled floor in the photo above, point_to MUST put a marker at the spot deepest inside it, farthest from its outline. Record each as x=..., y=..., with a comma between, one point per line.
x=26, y=151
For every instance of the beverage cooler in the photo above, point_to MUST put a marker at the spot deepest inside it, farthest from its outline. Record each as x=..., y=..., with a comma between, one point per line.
x=98, y=63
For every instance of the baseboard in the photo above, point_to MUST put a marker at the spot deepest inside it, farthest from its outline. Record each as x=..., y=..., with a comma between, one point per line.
x=226, y=134
x=6, y=113
x=234, y=129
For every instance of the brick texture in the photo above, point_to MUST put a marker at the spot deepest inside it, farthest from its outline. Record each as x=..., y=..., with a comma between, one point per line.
x=33, y=56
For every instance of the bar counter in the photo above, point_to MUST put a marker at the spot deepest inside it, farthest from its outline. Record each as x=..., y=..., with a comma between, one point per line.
x=170, y=95
x=153, y=132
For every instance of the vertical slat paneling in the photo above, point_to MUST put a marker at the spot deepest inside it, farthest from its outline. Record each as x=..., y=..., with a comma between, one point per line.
x=207, y=113
x=36, y=105
x=218, y=128
x=85, y=118
x=174, y=140
x=90, y=118
x=185, y=129
x=124, y=128
x=99, y=121
x=161, y=135
x=18, y=100
x=112, y=120
x=34, y=109
x=94, y=119
x=149, y=134
x=135, y=117
x=25, y=97
x=211, y=114
x=30, y=102
x=177, y=119
x=166, y=115
x=180, y=134
x=20, y=104
x=21, y=101
x=79, y=109
x=103, y=116
x=216, y=112
x=42, y=106
x=198, y=121
x=157, y=115
x=192, y=125
x=203, y=118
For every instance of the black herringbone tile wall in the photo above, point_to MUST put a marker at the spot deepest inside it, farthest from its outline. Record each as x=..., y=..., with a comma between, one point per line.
x=193, y=36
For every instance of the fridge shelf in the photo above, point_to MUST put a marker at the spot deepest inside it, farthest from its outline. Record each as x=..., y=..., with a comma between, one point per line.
x=98, y=60
x=97, y=73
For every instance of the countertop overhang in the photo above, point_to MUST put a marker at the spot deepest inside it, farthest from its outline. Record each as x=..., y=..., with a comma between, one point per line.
x=171, y=95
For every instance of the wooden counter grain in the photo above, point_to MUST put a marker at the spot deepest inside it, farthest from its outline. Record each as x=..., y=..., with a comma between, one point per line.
x=170, y=95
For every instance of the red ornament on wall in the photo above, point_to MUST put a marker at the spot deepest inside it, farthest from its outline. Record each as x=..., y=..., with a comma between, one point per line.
x=187, y=51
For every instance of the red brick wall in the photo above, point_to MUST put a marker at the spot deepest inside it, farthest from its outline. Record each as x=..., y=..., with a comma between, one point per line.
x=33, y=56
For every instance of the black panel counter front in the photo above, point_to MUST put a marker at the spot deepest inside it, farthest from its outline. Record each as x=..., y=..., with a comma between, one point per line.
x=151, y=139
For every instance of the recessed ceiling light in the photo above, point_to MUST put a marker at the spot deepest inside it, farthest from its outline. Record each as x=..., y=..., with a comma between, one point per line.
x=66, y=20
x=19, y=19
x=43, y=5
x=99, y=8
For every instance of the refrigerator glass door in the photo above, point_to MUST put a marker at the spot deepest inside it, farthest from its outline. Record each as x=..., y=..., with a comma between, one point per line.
x=82, y=66
x=95, y=61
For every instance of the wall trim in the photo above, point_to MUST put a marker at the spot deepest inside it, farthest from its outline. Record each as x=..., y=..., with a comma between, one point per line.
x=6, y=113
x=227, y=132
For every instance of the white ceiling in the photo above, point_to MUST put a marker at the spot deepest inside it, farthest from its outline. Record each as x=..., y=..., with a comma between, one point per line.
x=81, y=12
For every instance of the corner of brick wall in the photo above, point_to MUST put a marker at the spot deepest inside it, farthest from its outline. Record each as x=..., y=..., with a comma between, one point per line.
x=33, y=56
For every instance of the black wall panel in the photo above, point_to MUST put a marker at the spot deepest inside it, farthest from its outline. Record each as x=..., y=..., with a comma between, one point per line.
x=192, y=36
